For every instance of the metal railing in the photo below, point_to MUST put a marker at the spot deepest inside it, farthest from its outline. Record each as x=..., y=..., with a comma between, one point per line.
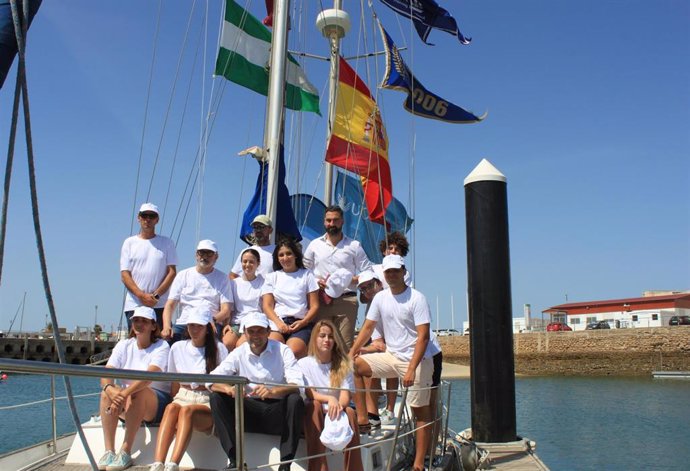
x=59, y=369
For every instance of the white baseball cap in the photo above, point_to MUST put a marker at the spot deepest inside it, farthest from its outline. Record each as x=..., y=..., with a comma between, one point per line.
x=149, y=208
x=393, y=262
x=254, y=319
x=145, y=312
x=200, y=315
x=207, y=244
x=365, y=276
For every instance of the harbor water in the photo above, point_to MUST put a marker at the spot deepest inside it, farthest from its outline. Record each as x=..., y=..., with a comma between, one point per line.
x=578, y=423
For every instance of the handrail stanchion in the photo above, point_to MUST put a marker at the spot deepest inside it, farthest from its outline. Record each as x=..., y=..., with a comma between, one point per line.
x=54, y=412
x=403, y=404
x=445, y=432
x=239, y=425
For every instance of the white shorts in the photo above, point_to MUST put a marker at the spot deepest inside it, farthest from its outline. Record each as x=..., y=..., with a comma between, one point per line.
x=386, y=365
x=190, y=397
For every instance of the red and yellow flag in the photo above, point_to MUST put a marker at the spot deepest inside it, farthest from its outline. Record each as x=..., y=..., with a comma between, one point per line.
x=359, y=143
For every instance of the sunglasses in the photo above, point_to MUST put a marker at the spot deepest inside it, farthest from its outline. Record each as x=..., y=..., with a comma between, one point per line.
x=148, y=215
x=205, y=253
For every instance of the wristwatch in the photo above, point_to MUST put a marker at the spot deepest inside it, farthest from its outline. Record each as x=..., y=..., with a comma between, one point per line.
x=156, y=296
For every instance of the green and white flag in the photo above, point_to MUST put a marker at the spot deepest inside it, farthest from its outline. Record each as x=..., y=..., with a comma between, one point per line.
x=245, y=49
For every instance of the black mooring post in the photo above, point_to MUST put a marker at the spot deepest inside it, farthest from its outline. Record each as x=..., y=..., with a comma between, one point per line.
x=492, y=366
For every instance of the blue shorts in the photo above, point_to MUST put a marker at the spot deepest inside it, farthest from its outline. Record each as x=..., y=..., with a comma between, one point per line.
x=304, y=334
x=163, y=400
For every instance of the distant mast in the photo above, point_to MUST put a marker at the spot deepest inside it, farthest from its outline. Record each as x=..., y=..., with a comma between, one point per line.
x=273, y=135
x=333, y=24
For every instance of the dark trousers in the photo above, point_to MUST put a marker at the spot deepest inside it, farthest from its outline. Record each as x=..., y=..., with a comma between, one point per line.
x=282, y=417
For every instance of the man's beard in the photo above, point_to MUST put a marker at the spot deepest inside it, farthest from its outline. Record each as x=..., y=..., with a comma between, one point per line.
x=334, y=230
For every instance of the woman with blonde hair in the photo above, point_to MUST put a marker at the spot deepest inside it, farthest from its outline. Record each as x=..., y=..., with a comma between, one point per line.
x=328, y=366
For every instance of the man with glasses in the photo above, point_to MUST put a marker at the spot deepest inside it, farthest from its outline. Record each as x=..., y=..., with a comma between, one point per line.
x=262, y=228
x=197, y=286
x=147, y=266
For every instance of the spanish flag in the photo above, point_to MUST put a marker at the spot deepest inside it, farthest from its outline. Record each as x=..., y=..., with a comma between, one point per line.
x=359, y=143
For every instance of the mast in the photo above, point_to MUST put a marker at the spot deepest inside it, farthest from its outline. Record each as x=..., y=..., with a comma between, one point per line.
x=333, y=24
x=273, y=137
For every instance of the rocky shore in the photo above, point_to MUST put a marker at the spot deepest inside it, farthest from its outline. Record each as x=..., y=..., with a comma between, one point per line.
x=616, y=352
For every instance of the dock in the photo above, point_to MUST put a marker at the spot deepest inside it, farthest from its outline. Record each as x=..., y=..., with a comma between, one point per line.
x=671, y=374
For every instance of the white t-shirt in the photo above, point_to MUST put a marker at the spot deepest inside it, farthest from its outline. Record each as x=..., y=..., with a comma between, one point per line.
x=127, y=355
x=265, y=256
x=318, y=375
x=184, y=357
x=399, y=315
x=193, y=289
x=290, y=291
x=247, y=296
x=378, y=271
x=148, y=261
x=324, y=258
x=433, y=348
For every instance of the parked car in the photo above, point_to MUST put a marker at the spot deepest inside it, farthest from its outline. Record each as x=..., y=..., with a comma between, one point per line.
x=598, y=325
x=557, y=327
x=446, y=332
x=679, y=320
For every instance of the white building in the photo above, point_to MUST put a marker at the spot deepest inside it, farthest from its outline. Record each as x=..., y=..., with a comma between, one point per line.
x=648, y=311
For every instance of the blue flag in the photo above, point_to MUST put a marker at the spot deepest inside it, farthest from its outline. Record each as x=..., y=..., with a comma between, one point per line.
x=350, y=196
x=309, y=213
x=285, y=220
x=427, y=14
x=420, y=101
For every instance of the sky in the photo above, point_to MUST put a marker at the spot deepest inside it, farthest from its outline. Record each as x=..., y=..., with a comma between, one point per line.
x=588, y=118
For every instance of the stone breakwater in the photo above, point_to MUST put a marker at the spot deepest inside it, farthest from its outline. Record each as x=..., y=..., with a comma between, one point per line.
x=623, y=352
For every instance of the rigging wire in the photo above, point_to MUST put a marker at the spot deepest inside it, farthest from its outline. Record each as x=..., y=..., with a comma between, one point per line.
x=146, y=113
x=181, y=127
x=20, y=29
x=203, y=130
x=169, y=107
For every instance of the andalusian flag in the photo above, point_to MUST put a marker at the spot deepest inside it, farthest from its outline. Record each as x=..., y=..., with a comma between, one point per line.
x=244, y=56
x=358, y=141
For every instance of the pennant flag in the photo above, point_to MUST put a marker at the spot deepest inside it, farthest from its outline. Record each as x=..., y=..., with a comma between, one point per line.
x=285, y=219
x=420, y=101
x=358, y=141
x=427, y=14
x=244, y=56
x=349, y=196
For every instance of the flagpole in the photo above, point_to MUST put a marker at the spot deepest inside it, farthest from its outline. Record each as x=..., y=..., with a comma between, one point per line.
x=334, y=24
x=276, y=93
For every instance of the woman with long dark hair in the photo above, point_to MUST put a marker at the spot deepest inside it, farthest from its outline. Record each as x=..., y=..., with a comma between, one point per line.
x=133, y=401
x=328, y=366
x=290, y=298
x=190, y=409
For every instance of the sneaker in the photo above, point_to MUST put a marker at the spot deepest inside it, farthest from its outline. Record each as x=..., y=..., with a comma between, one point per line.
x=121, y=461
x=387, y=417
x=171, y=467
x=374, y=421
x=157, y=466
x=106, y=460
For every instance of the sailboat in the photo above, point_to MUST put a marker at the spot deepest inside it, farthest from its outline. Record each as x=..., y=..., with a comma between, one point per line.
x=390, y=449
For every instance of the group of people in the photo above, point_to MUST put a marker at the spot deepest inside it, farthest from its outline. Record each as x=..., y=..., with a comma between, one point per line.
x=280, y=317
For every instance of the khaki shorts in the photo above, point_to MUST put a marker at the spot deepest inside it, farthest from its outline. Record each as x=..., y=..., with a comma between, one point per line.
x=190, y=397
x=385, y=365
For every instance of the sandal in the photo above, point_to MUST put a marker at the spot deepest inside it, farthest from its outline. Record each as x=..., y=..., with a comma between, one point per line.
x=364, y=428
